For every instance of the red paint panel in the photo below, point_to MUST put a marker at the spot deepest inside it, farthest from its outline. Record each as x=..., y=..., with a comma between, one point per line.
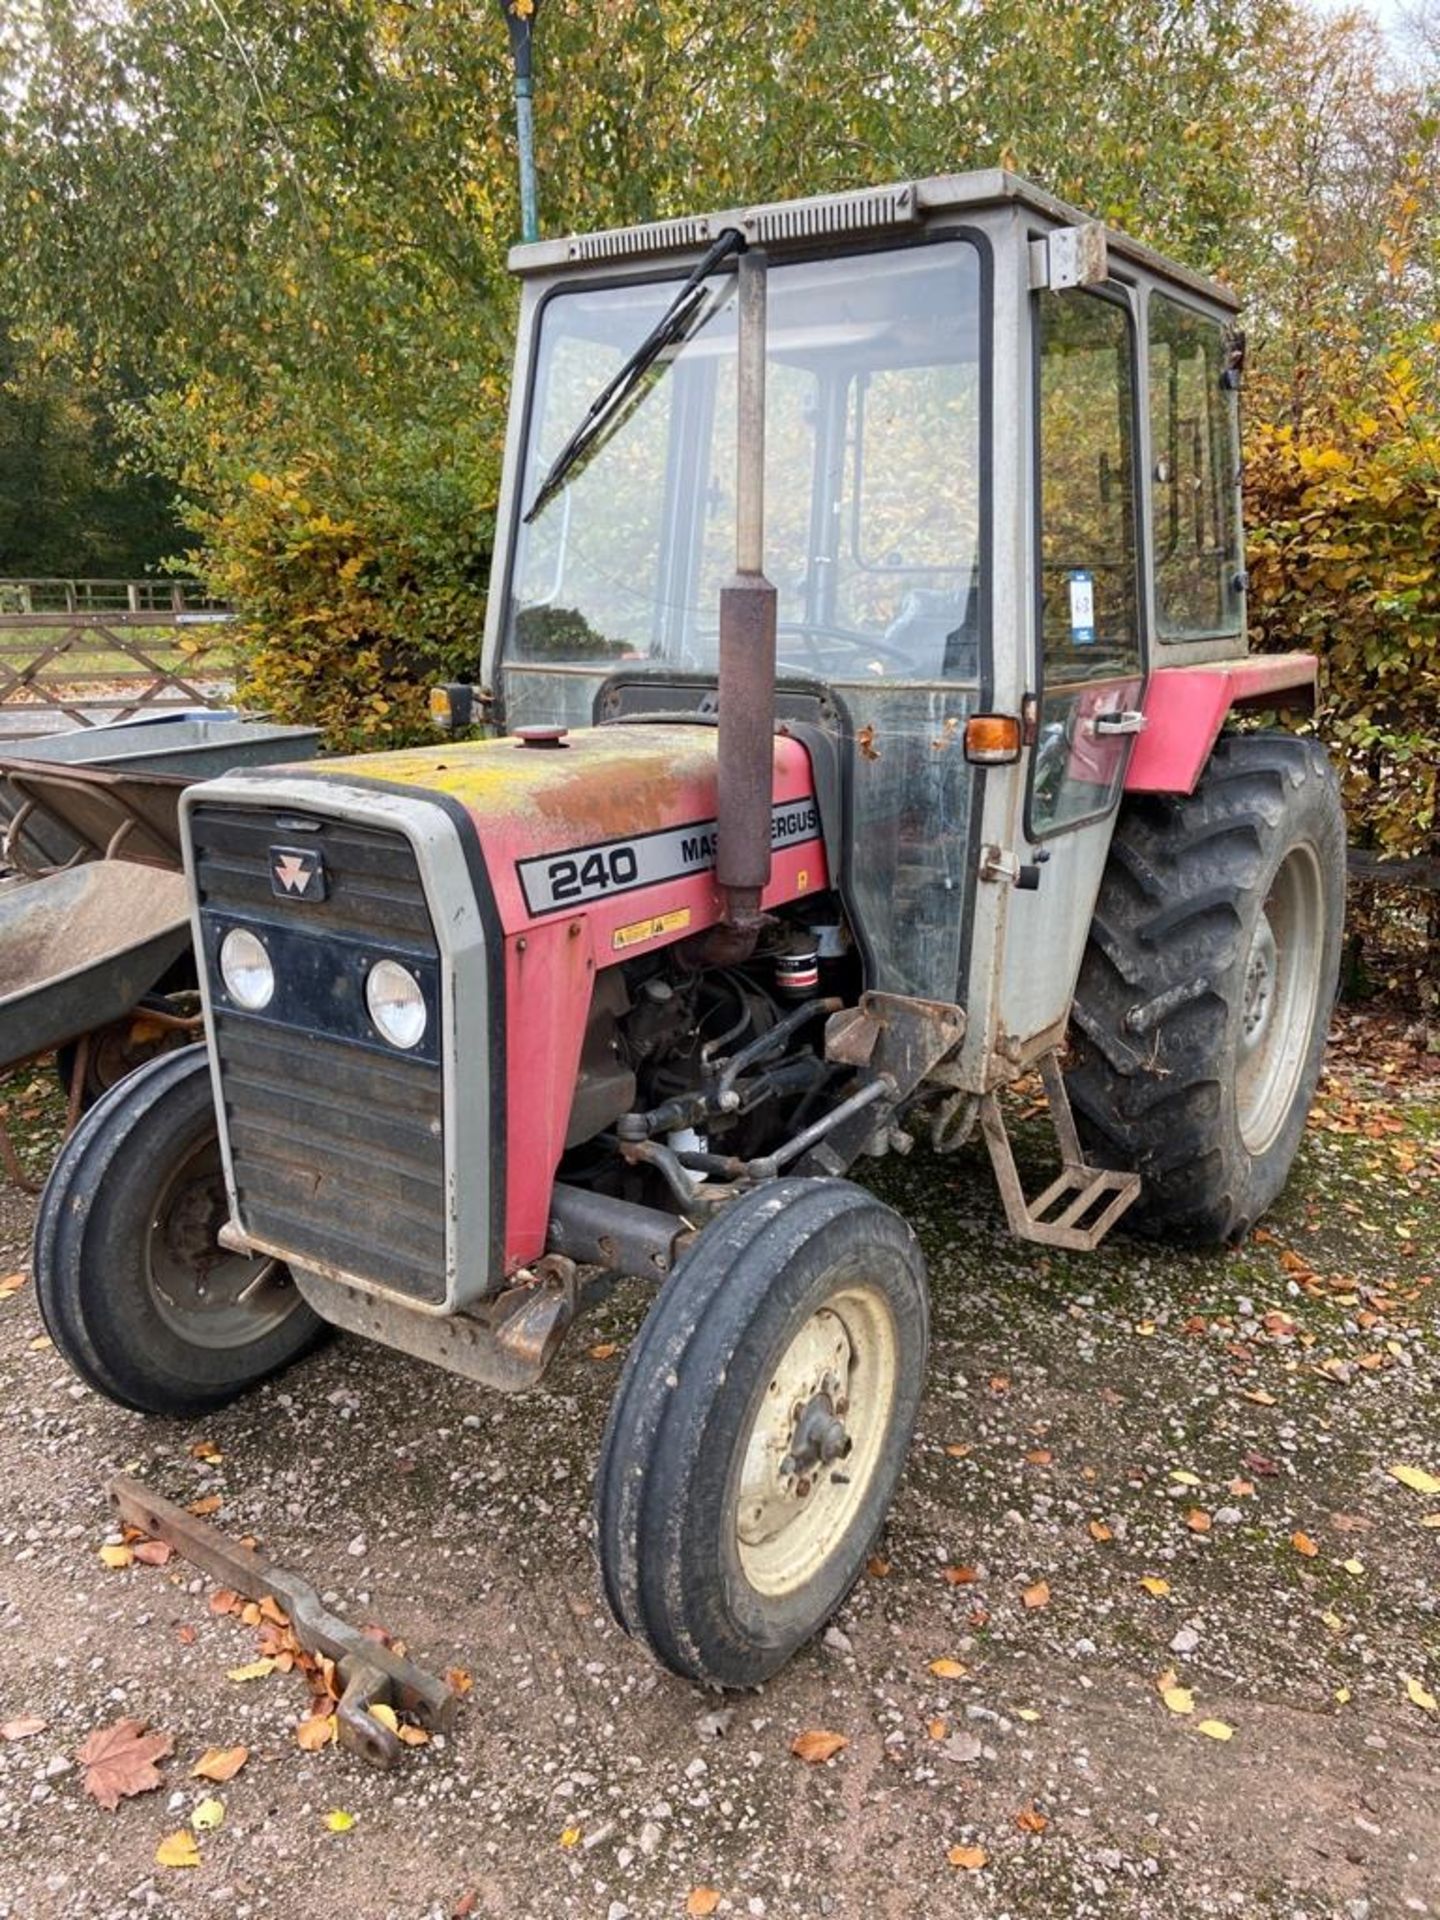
x=1185, y=708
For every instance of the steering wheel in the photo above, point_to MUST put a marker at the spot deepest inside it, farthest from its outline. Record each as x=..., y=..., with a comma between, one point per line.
x=854, y=645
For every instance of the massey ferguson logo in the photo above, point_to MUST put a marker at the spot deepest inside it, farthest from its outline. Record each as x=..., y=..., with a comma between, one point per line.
x=297, y=873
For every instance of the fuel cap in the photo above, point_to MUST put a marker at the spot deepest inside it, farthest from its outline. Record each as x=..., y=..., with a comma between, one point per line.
x=541, y=736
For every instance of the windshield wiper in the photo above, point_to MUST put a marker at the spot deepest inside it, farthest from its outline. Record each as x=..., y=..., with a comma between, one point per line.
x=672, y=325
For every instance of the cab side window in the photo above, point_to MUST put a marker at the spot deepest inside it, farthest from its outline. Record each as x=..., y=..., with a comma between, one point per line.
x=1195, y=475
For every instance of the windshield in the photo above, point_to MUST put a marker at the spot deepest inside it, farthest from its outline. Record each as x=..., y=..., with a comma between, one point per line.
x=872, y=475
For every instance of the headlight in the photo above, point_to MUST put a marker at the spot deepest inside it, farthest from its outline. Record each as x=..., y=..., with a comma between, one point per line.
x=246, y=970
x=396, y=1003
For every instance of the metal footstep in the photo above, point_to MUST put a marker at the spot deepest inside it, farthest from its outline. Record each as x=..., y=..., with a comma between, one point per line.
x=1065, y=1214
x=370, y=1674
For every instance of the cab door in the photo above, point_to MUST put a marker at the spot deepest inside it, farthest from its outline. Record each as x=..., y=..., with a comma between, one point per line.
x=1088, y=610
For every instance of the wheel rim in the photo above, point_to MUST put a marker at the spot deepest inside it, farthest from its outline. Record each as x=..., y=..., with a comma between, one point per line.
x=1280, y=992
x=204, y=1295
x=815, y=1440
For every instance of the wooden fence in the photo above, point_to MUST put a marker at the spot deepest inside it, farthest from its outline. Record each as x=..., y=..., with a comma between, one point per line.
x=78, y=652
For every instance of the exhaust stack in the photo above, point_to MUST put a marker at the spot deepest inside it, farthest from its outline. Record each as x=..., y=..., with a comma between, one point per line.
x=745, y=755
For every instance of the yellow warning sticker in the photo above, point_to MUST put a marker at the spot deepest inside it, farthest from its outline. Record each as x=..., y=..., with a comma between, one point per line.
x=638, y=930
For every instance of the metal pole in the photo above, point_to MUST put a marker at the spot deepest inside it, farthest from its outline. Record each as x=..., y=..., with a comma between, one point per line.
x=750, y=415
x=520, y=25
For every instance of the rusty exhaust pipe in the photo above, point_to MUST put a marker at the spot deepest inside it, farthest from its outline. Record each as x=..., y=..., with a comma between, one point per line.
x=745, y=755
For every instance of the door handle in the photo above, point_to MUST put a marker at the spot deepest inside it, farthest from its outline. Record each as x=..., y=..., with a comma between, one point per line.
x=1128, y=720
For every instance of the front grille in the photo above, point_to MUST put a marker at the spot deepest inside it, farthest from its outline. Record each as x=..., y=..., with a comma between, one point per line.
x=336, y=1140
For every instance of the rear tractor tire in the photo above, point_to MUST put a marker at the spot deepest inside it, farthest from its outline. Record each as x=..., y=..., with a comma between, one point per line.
x=761, y=1427
x=1205, y=993
x=133, y=1285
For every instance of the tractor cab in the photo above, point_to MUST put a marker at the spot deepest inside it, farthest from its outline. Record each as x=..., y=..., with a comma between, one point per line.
x=1000, y=483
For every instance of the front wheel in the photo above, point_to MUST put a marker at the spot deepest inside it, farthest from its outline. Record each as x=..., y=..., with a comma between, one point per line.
x=133, y=1285
x=761, y=1427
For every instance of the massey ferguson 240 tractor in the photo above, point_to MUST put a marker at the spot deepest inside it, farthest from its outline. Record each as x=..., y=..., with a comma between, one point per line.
x=867, y=612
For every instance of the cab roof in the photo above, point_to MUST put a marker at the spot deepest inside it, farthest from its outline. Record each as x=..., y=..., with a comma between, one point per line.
x=867, y=212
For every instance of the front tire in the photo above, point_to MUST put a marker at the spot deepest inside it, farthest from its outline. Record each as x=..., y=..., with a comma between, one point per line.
x=133, y=1287
x=1204, y=999
x=761, y=1427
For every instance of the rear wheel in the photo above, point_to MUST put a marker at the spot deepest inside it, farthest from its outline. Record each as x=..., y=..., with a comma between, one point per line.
x=133, y=1285
x=761, y=1427
x=1204, y=998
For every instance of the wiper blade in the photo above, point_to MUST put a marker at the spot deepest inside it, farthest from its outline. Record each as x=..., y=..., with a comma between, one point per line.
x=672, y=325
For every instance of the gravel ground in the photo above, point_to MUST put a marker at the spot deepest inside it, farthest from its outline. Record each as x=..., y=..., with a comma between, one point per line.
x=1220, y=1426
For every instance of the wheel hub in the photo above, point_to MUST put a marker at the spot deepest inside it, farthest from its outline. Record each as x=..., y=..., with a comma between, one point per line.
x=209, y=1297
x=1261, y=970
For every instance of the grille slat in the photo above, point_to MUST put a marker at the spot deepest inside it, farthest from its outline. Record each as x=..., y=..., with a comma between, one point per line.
x=338, y=1149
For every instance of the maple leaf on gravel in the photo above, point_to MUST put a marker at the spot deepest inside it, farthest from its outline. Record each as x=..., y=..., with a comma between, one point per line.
x=120, y=1761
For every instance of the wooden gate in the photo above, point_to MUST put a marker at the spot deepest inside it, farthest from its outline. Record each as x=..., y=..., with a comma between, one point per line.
x=85, y=651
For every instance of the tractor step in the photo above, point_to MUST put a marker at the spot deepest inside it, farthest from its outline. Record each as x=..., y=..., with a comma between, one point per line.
x=1083, y=1203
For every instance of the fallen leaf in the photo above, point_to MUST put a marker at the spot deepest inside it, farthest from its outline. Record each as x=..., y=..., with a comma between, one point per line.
x=1026, y=1713
x=570, y=1837
x=23, y=1727
x=958, y=1576
x=1100, y=1532
x=701, y=1901
x=958, y=1449
x=119, y=1761
x=386, y=1715
x=207, y=1451
x=1416, y=1479
x=1420, y=1695
x=1259, y=1463
x=212, y=1503
x=1184, y=1478
x=1152, y=1583
x=458, y=1680
x=1214, y=1729
x=208, y=1815
x=1178, y=1699
x=606, y=1350
x=1242, y=1489
x=252, y=1670
x=877, y=1567
x=12, y=1283
x=816, y=1746
x=1258, y=1396
x=178, y=1850
x=338, y=1821
x=223, y=1600
x=1198, y=1520
x=1036, y=1596
x=1342, y=1694
x=186, y=1634
x=412, y=1736
x=947, y=1669
x=40, y=1344
x=970, y=1858
x=1302, y=1543
x=937, y=1729
x=316, y=1732
x=1030, y=1821
x=1430, y=1520
x=1000, y=1383
x=1357, y=1567
x=220, y=1763
x=116, y=1557
x=1332, y=1621
x=1039, y=1457
x=154, y=1553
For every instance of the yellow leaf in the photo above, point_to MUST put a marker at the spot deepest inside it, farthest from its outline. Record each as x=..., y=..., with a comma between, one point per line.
x=116, y=1557
x=1342, y=1694
x=40, y=1343
x=1356, y=1567
x=1184, y=1478
x=970, y=1858
x=220, y=1763
x=316, y=1732
x=1214, y=1729
x=1152, y=1583
x=946, y=1669
x=1026, y=1713
x=253, y=1670
x=178, y=1850
x=413, y=1736
x=816, y=1746
x=1416, y=1479
x=1332, y=1621
x=338, y=1821
x=208, y=1815
x=570, y=1837
x=1178, y=1699
x=385, y=1715
x=1420, y=1695
x=1430, y=1519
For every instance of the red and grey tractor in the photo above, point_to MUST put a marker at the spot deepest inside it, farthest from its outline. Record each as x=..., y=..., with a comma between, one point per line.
x=868, y=607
